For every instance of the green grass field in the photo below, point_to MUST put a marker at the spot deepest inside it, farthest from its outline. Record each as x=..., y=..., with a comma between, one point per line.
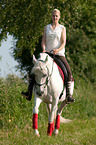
x=16, y=116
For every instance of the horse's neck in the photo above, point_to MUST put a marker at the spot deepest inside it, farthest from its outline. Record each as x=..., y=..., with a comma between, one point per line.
x=51, y=65
x=53, y=69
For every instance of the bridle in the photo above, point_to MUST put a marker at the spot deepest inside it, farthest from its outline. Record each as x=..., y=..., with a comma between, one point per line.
x=47, y=77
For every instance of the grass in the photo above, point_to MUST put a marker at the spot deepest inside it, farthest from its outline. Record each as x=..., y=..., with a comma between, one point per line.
x=16, y=116
x=77, y=132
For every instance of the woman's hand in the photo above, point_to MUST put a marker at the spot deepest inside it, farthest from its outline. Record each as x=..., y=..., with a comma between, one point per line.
x=44, y=50
x=55, y=51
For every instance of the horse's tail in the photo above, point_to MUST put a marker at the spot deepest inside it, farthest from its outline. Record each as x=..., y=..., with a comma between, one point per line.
x=63, y=120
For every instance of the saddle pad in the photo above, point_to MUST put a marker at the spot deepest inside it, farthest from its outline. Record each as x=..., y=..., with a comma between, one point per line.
x=61, y=72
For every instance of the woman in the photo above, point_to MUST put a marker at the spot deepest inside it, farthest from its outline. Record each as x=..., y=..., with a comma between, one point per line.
x=54, y=40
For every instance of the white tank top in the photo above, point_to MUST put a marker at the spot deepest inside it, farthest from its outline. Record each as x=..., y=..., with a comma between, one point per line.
x=53, y=39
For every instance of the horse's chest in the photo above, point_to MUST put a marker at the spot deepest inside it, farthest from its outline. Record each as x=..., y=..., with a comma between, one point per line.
x=44, y=92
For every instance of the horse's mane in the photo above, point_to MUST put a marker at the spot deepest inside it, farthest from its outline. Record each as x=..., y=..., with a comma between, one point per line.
x=48, y=60
x=44, y=56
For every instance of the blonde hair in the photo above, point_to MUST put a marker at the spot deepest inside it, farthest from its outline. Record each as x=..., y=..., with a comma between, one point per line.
x=56, y=10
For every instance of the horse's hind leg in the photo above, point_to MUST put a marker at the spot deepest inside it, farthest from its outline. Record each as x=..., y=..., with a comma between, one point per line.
x=48, y=107
x=58, y=117
x=61, y=107
x=35, y=115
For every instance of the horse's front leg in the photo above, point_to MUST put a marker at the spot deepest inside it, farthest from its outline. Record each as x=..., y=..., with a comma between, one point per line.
x=35, y=115
x=51, y=117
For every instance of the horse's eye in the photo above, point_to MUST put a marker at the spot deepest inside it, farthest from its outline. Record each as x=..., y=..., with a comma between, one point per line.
x=44, y=75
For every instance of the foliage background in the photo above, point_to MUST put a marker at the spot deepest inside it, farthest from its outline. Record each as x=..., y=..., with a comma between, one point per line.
x=25, y=21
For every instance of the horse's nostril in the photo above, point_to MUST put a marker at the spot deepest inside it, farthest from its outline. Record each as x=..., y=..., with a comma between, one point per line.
x=39, y=93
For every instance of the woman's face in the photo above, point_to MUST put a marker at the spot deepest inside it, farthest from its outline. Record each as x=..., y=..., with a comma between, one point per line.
x=55, y=17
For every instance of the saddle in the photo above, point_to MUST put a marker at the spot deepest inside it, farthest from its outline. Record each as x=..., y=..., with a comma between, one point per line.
x=63, y=71
x=63, y=75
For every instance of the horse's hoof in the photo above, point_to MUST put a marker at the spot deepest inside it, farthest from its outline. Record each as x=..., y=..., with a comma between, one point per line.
x=56, y=131
x=38, y=135
x=36, y=132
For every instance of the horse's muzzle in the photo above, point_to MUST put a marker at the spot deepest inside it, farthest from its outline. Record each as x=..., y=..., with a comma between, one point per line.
x=39, y=93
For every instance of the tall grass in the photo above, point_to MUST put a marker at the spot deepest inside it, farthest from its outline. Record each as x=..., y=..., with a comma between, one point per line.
x=16, y=116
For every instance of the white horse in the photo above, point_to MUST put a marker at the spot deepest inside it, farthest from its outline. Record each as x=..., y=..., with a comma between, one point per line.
x=48, y=88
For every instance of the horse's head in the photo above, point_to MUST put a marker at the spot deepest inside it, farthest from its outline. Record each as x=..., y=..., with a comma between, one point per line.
x=41, y=72
x=40, y=66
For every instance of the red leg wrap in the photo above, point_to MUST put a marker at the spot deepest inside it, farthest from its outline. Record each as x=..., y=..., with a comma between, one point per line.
x=53, y=126
x=35, y=121
x=57, y=124
x=49, y=132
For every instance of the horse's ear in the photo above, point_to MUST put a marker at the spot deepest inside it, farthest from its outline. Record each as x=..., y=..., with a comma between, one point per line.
x=46, y=60
x=34, y=59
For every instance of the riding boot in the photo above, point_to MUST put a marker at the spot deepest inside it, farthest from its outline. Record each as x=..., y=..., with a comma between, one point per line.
x=68, y=93
x=28, y=94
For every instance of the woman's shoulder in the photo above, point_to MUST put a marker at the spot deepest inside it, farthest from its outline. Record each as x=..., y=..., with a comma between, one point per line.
x=62, y=26
x=48, y=25
x=45, y=28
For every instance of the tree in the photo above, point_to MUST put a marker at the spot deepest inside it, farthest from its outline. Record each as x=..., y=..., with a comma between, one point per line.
x=25, y=21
